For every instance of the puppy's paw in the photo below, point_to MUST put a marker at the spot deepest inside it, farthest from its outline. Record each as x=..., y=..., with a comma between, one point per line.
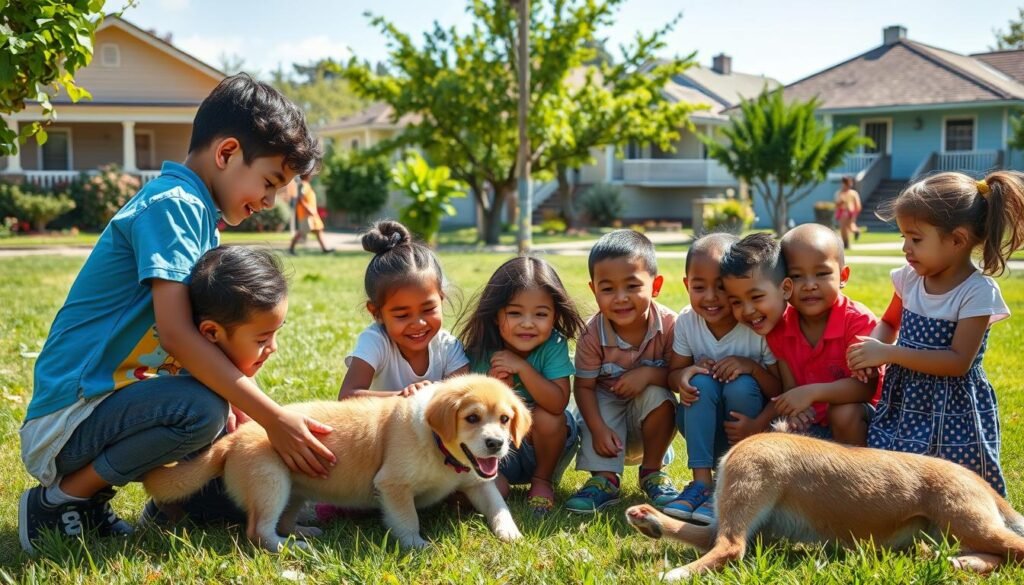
x=644, y=518
x=307, y=531
x=675, y=575
x=508, y=532
x=414, y=542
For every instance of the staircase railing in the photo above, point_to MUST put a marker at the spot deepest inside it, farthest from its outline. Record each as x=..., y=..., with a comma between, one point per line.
x=927, y=165
x=870, y=177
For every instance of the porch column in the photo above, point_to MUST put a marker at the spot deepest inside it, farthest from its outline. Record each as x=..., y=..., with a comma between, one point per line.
x=128, y=141
x=609, y=164
x=14, y=160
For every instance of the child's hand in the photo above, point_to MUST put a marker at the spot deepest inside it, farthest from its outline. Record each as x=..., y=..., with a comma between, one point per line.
x=688, y=393
x=630, y=384
x=864, y=374
x=414, y=388
x=507, y=361
x=236, y=417
x=802, y=421
x=741, y=428
x=503, y=375
x=732, y=367
x=869, y=353
x=292, y=436
x=793, y=402
x=606, y=442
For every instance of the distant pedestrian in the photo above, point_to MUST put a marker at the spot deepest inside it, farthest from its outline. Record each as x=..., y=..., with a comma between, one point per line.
x=307, y=217
x=848, y=207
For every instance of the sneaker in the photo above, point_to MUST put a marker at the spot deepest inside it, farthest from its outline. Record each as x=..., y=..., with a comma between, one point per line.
x=659, y=488
x=692, y=496
x=103, y=517
x=209, y=505
x=598, y=493
x=36, y=515
x=705, y=513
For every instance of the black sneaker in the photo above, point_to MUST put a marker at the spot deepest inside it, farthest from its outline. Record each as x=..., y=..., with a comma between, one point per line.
x=35, y=515
x=103, y=518
x=209, y=505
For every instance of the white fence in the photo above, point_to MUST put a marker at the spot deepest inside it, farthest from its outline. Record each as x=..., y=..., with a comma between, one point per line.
x=675, y=172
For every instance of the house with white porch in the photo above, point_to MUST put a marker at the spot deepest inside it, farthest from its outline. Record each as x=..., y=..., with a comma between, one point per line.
x=926, y=109
x=145, y=92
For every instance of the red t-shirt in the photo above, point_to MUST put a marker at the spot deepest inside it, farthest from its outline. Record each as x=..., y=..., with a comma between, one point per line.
x=826, y=361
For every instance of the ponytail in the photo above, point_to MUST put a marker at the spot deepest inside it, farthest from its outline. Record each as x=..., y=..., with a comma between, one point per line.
x=1004, y=222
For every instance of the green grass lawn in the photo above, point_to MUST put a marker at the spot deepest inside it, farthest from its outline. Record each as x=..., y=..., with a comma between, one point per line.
x=326, y=315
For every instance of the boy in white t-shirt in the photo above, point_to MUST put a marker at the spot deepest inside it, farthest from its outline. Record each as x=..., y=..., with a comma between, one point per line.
x=718, y=367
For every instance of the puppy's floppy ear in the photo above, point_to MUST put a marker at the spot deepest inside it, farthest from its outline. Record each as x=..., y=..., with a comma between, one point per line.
x=521, y=421
x=443, y=413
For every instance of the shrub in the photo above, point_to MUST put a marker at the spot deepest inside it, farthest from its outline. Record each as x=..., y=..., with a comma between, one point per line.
x=553, y=226
x=825, y=213
x=357, y=185
x=602, y=204
x=431, y=191
x=731, y=215
x=98, y=197
x=38, y=209
x=8, y=226
x=274, y=219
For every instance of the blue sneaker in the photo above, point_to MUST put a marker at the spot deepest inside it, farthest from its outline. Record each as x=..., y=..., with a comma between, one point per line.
x=598, y=493
x=659, y=488
x=705, y=513
x=693, y=495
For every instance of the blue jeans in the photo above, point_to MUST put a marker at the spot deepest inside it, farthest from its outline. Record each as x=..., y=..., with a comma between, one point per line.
x=701, y=423
x=143, y=426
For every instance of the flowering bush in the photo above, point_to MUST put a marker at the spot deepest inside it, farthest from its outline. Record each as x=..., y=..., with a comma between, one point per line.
x=98, y=197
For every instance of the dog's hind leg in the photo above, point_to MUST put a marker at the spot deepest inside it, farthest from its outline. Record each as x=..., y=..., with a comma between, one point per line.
x=262, y=484
x=287, y=524
x=650, y=522
x=398, y=504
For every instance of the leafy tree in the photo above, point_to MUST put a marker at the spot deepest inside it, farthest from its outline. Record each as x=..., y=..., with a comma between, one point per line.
x=463, y=87
x=42, y=43
x=357, y=185
x=781, y=150
x=320, y=89
x=431, y=191
x=1012, y=38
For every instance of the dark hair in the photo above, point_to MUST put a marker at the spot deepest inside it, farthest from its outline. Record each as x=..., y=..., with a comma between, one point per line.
x=397, y=261
x=229, y=283
x=627, y=244
x=480, y=333
x=263, y=121
x=848, y=180
x=757, y=252
x=992, y=210
x=708, y=243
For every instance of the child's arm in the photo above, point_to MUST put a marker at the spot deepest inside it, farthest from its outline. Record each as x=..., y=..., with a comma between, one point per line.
x=636, y=380
x=290, y=433
x=744, y=426
x=551, y=395
x=843, y=391
x=680, y=369
x=358, y=378
x=730, y=368
x=955, y=361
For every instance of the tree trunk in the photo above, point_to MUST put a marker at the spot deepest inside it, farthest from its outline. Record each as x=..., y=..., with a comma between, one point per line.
x=781, y=216
x=566, y=192
x=491, y=228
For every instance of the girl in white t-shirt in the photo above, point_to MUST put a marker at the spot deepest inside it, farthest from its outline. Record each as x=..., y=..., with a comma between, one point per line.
x=723, y=372
x=405, y=348
x=936, y=399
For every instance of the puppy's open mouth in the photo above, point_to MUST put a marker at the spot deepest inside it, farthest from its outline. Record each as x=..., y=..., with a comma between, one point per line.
x=485, y=467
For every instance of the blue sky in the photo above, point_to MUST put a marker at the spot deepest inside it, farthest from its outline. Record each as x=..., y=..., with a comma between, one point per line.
x=786, y=40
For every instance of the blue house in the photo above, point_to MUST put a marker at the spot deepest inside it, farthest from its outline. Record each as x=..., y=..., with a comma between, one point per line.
x=925, y=108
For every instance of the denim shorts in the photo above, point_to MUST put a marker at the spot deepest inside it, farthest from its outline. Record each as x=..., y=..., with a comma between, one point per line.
x=519, y=465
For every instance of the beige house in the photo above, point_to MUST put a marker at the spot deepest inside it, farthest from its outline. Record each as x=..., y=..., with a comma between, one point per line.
x=145, y=92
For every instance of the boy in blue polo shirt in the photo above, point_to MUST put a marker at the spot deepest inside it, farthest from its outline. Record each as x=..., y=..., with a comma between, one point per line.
x=125, y=382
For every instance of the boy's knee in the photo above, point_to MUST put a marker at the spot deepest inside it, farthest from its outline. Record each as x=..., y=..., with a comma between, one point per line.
x=743, y=385
x=207, y=415
x=848, y=423
x=546, y=423
x=704, y=383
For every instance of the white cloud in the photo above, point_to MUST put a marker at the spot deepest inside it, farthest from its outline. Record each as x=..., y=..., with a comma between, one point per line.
x=173, y=5
x=211, y=49
x=306, y=50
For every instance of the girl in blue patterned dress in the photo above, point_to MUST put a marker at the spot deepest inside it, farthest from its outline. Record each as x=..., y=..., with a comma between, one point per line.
x=936, y=399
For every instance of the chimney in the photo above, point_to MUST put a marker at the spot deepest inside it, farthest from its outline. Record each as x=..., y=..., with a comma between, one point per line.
x=892, y=34
x=722, y=63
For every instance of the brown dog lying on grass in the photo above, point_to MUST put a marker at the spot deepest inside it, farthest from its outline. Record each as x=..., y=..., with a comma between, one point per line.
x=781, y=485
x=396, y=454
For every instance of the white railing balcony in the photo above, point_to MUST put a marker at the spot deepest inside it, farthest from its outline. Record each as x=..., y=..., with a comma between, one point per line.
x=147, y=176
x=675, y=173
x=852, y=165
x=51, y=179
x=970, y=161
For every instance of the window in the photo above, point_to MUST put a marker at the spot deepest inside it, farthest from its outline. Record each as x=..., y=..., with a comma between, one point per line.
x=110, y=55
x=878, y=132
x=145, y=156
x=959, y=134
x=55, y=155
x=355, y=144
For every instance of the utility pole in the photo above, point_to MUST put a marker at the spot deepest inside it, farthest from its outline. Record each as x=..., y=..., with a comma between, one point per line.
x=525, y=239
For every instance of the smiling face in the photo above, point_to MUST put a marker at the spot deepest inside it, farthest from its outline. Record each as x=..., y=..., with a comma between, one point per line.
x=624, y=290
x=817, y=275
x=250, y=344
x=756, y=300
x=240, y=189
x=707, y=294
x=527, y=321
x=411, y=316
x=478, y=419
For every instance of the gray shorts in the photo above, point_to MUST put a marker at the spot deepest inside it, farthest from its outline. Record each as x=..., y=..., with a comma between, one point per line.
x=625, y=416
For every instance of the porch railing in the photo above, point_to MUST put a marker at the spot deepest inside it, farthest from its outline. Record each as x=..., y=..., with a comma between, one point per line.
x=854, y=164
x=879, y=170
x=971, y=162
x=675, y=172
x=927, y=165
x=53, y=179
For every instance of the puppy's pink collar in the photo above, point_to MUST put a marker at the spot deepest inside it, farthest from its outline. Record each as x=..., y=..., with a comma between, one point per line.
x=450, y=459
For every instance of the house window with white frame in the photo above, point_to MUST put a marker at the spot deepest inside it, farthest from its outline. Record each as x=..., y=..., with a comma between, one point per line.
x=55, y=155
x=110, y=55
x=959, y=134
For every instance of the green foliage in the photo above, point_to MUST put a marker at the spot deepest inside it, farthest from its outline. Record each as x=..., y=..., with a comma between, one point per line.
x=781, y=150
x=431, y=191
x=602, y=204
x=98, y=197
x=320, y=90
x=732, y=215
x=463, y=85
x=553, y=226
x=274, y=219
x=42, y=43
x=356, y=184
x=40, y=209
x=1012, y=38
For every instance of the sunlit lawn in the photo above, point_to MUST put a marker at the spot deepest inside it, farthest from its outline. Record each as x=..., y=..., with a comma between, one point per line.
x=326, y=315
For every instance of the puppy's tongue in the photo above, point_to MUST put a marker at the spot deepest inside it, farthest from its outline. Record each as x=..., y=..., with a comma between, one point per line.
x=488, y=465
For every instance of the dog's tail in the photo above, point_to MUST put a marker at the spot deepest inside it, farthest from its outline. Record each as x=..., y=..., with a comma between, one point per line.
x=177, y=481
x=1013, y=519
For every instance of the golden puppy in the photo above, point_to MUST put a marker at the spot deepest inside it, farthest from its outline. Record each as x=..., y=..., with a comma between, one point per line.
x=781, y=485
x=398, y=454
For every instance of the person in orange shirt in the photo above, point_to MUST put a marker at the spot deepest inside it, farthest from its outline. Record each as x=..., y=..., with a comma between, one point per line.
x=306, y=216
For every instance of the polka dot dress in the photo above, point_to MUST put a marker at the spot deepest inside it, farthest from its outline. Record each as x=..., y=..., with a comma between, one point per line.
x=954, y=418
